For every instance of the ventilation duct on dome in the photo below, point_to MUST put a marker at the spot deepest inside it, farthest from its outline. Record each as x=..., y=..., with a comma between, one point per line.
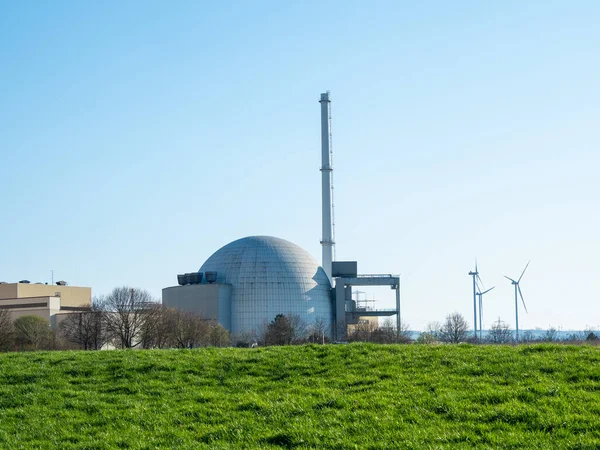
x=194, y=279
x=211, y=277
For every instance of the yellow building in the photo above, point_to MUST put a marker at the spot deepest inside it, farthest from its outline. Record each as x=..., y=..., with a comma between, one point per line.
x=368, y=323
x=45, y=300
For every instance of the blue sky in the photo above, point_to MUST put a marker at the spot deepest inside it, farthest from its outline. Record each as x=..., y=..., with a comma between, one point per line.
x=136, y=138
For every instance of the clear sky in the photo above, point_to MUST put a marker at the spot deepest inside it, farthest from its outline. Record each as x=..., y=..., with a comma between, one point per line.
x=137, y=138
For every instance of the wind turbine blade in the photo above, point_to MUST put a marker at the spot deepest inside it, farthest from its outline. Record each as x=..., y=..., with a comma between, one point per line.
x=522, y=299
x=479, y=279
x=509, y=278
x=488, y=290
x=523, y=271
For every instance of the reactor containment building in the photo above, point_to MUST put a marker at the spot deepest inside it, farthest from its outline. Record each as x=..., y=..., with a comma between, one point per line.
x=246, y=283
x=251, y=280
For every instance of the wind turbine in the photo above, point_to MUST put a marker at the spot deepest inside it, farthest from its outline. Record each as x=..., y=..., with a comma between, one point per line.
x=475, y=276
x=480, y=295
x=518, y=290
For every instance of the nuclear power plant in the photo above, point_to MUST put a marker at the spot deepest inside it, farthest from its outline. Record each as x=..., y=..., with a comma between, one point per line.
x=246, y=283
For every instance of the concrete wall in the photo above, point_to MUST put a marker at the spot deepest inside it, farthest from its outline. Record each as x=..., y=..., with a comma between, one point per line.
x=211, y=301
x=8, y=290
x=45, y=307
x=69, y=295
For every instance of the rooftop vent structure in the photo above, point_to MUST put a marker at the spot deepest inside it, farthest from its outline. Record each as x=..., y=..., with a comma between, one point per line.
x=61, y=283
x=211, y=277
x=189, y=278
x=24, y=282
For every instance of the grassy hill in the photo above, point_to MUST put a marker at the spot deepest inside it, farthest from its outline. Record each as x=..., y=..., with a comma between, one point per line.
x=337, y=397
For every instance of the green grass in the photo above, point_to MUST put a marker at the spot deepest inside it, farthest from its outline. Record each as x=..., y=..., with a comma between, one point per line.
x=337, y=397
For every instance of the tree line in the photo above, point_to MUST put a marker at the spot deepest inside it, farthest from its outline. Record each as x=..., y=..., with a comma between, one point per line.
x=131, y=318
x=125, y=318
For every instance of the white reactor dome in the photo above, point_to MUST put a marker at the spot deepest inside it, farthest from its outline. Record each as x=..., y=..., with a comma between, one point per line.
x=271, y=276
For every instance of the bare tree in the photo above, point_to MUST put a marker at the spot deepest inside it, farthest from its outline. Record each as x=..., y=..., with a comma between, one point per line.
x=500, y=333
x=403, y=334
x=299, y=329
x=187, y=329
x=454, y=329
x=527, y=337
x=262, y=332
x=319, y=331
x=6, y=329
x=85, y=328
x=551, y=335
x=361, y=332
x=34, y=331
x=218, y=336
x=157, y=328
x=431, y=333
x=126, y=311
x=384, y=334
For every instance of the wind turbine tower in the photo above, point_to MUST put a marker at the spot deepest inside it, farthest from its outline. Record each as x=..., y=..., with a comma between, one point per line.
x=475, y=275
x=518, y=291
x=480, y=295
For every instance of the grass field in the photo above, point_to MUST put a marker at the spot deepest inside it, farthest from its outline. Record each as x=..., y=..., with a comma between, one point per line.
x=336, y=397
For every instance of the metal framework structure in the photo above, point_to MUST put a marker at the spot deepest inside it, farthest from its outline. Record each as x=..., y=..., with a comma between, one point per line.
x=345, y=310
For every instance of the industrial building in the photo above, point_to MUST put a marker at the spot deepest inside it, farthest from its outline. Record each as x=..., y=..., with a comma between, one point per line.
x=246, y=283
x=256, y=278
x=50, y=301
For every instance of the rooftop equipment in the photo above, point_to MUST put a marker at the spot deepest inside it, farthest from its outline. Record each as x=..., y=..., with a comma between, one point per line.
x=195, y=278
x=24, y=281
x=189, y=278
x=61, y=283
x=211, y=277
x=344, y=269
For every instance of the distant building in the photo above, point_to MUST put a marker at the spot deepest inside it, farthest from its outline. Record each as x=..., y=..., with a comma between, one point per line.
x=49, y=301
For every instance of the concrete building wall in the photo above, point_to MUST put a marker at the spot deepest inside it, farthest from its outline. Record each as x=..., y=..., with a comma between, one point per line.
x=43, y=300
x=211, y=301
x=364, y=323
x=44, y=307
x=9, y=290
x=69, y=295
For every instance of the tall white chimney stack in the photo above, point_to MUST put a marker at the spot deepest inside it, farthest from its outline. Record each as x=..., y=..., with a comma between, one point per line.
x=326, y=172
